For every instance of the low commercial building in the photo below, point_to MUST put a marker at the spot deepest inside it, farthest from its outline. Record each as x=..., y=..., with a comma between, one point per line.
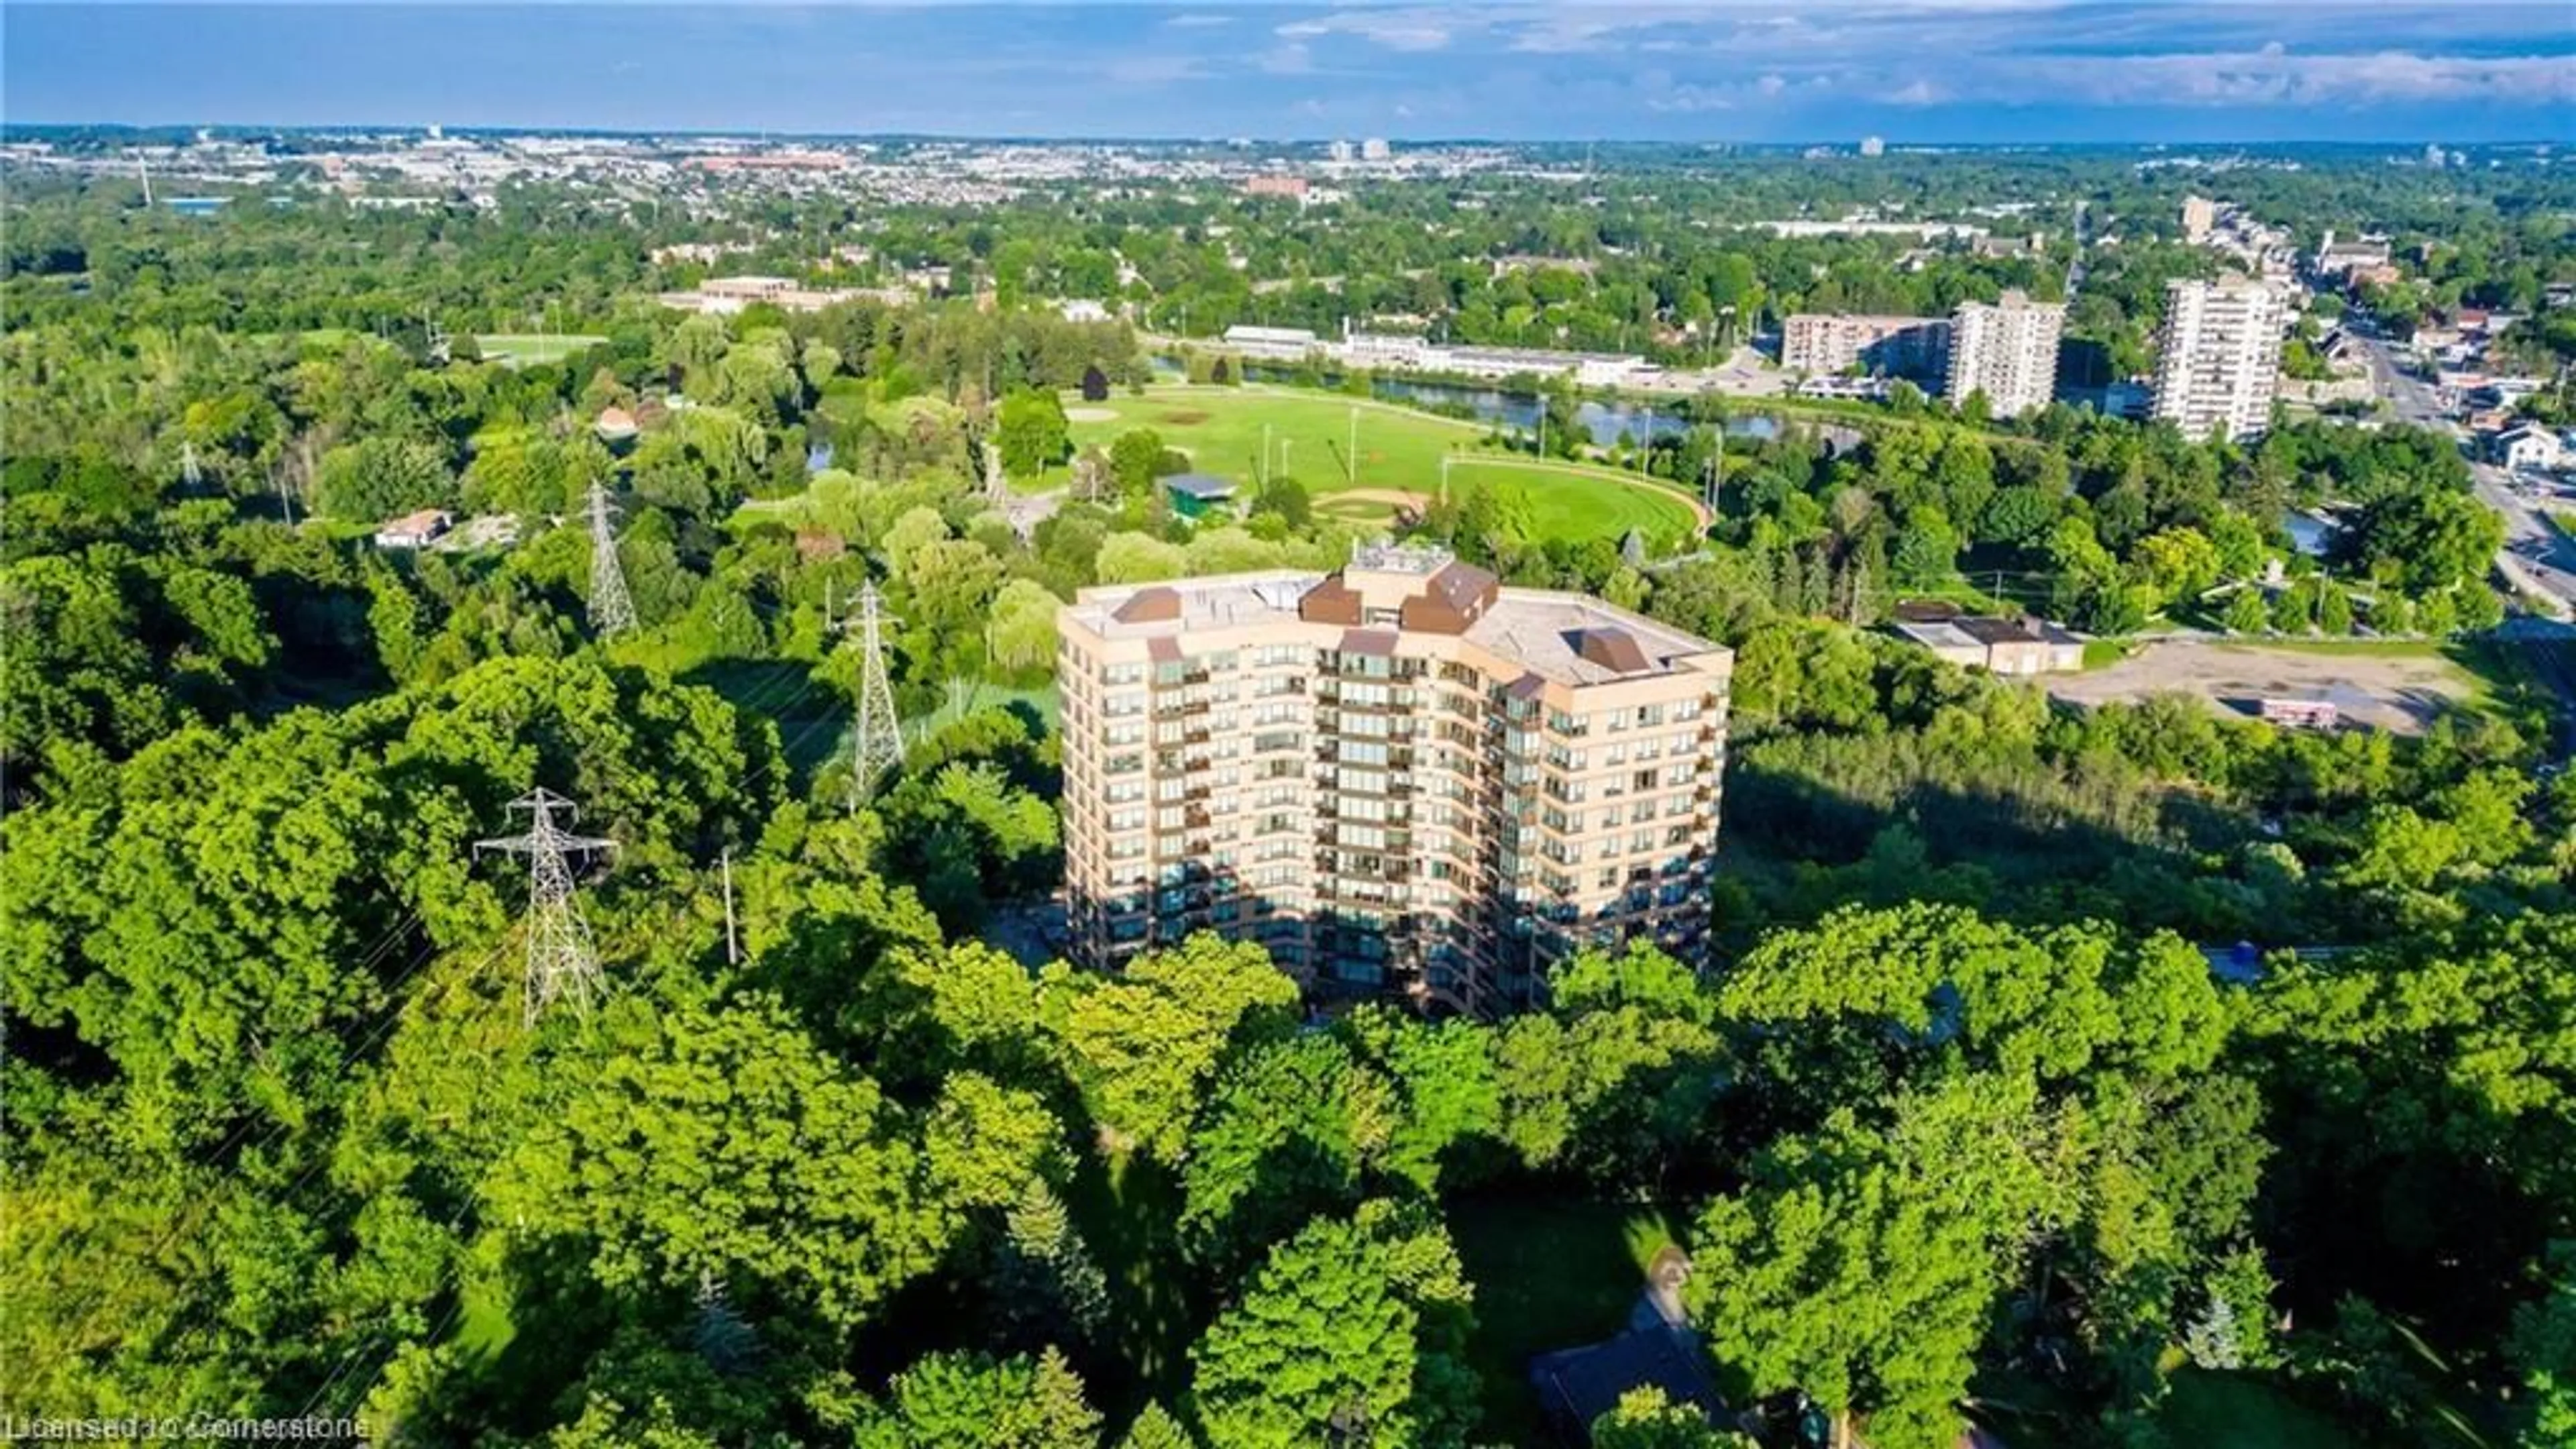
x=1287, y=344
x=2016, y=646
x=1588, y=369
x=1401, y=777
x=723, y=296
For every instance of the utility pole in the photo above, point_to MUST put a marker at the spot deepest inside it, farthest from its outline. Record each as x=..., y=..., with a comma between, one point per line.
x=877, y=750
x=733, y=946
x=611, y=612
x=561, y=960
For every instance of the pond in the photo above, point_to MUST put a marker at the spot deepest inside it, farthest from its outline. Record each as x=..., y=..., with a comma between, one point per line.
x=2309, y=534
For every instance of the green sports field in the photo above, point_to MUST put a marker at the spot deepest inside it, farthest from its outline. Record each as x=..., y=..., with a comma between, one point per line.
x=519, y=349
x=1398, y=457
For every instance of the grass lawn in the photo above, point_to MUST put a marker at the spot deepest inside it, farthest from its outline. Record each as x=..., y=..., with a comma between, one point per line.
x=518, y=349
x=2099, y=653
x=1399, y=453
x=813, y=719
x=984, y=694
x=1129, y=1211
x=2363, y=648
x=484, y=1327
x=2238, y=1411
x=1548, y=1274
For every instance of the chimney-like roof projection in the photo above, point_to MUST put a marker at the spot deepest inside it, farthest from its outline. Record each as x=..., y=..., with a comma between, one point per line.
x=1616, y=650
x=1149, y=606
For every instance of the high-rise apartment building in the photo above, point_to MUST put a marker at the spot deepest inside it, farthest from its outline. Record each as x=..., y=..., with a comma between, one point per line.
x=2219, y=356
x=1400, y=777
x=2006, y=350
x=1826, y=344
x=2199, y=218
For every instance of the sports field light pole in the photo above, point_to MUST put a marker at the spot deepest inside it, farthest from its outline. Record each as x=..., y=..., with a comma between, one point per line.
x=1351, y=458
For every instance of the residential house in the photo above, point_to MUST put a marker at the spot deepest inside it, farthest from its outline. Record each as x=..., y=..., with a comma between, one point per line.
x=2527, y=448
x=415, y=530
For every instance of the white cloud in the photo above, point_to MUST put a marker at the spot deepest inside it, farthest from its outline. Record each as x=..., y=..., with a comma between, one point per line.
x=1407, y=30
x=1918, y=93
x=2276, y=75
x=1197, y=22
x=1153, y=70
x=1290, y=59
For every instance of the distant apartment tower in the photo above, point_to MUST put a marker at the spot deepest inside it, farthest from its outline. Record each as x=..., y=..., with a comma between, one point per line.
x=1401, y=778
x=2199, y=218
x=2219, y=357
x=1375, y=148
x=1341, y=150
x=2006, y=350
x=1872, y=146
x=1825, y=344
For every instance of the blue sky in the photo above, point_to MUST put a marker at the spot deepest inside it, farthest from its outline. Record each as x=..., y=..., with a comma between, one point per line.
x=1717, y=70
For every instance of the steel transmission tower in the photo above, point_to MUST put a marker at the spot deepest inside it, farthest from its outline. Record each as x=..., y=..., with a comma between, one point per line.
x=878, y=750
x=561, y=961
x=611, y=612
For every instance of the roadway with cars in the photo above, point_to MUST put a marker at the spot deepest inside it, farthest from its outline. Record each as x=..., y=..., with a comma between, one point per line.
x=2536, y=558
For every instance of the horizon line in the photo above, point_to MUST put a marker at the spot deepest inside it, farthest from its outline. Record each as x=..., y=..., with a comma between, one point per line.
x=767, y=134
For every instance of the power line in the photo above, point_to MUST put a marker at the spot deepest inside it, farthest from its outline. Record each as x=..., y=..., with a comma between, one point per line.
x=562, y=962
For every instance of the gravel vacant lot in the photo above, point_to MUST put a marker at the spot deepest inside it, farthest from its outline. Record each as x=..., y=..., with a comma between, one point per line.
x=2395, y=688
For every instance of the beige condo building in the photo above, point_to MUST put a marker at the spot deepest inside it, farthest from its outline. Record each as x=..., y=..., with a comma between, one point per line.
x=1828, y=344
x=2008, y=351
x=1401, y=777
x=2218, y=357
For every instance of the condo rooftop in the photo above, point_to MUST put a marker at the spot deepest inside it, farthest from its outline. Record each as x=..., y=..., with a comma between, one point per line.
x=1563, y=638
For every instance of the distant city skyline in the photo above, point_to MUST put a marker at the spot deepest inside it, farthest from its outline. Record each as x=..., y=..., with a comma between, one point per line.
x=1914, y=71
